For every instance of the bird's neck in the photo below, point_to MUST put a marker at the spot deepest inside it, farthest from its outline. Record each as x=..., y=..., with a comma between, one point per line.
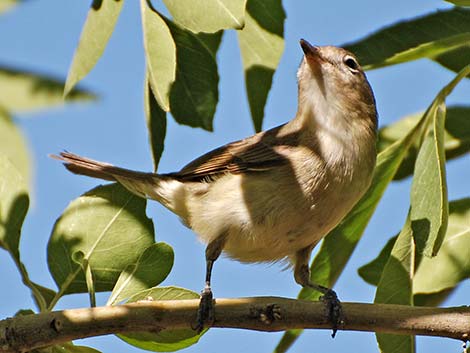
x=343, y=136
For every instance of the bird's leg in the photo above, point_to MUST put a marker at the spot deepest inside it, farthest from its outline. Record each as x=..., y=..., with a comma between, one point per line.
x=205, y=314
x=329, y=297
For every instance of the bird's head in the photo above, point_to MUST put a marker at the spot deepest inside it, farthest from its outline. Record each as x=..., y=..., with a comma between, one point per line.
x=331, y=81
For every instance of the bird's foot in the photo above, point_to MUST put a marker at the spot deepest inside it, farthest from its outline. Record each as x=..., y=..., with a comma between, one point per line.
x=205, y=313
x=334, y=310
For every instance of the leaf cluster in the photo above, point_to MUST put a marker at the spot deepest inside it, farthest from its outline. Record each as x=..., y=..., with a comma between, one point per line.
x=104, y=241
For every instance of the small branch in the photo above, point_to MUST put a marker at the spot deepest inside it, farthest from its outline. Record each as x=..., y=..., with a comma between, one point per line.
x=24, y=333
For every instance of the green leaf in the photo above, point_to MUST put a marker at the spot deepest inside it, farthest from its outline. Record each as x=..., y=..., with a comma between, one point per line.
x=6, y=5
x=24, y=312
x=456, y=136
x=211, y=41
x=452, y=263
x=455, y=59
x=156, y=123
x=424, y=37
x=109, y=226
x=43, y=296
x=459, y=2
x=190, y=92
x=339, y=244
x=207, y=15
x=164, y=293
x=13, y=146
x=429, y=204
x=24, y=91
x=395, y=287
x=435, y=278
x=97, y=30
x=150, y=269
x=79, y=258
x=194, y=94
x=67, y=347
x=14, y=203
x=166, y=340
x=433, y=299
x=160, y=53
x=372, y=271
x=261, y=46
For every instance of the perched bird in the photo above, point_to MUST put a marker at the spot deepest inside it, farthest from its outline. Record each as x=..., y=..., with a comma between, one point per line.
x=274, y=195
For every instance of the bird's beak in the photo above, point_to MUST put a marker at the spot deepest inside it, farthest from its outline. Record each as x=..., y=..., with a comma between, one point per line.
x=311, y=52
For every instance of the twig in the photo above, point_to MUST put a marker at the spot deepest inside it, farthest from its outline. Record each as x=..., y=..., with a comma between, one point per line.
x=24, y=333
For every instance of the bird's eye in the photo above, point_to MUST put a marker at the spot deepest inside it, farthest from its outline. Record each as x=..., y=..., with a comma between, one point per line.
x=351, y=63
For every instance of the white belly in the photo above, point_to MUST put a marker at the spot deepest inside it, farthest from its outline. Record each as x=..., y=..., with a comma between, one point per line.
x=270, y=220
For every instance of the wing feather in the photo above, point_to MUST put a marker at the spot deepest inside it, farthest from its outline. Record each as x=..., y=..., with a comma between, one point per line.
x=253, y=154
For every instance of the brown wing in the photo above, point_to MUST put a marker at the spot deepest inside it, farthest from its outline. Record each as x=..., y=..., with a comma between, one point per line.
x=255, y=153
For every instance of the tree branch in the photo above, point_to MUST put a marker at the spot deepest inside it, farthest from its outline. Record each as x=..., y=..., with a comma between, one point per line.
x=23, y=333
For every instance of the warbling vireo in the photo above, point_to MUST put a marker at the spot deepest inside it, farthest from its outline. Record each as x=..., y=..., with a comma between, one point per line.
x=275, y=195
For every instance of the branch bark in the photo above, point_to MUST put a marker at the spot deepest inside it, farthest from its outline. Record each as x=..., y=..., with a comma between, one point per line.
x=24, y=333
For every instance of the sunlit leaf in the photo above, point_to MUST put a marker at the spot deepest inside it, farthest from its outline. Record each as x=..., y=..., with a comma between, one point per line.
x=207, y=15
x=6, y=5
x=261, y=46
x=436, y=277
x=429, y=204
x=43, y=296
x=97, y=30
x=395, y=287
x=455, y=59
x=156, y=124
x=166, y=340
x=79, y=258
x=372, y=271
x=423, y=37
x=456, y=136
x=459, y=2
x=109, y=226
x=452, y=263
x=194, y=95
x=24, y=91
x=13, y=146
x=150, y=269
x=190, y=92
x=67, y=347
x=160, y=53
x=14, y=203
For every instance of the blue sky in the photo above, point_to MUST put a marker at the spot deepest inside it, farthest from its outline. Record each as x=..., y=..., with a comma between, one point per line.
x=42, y=35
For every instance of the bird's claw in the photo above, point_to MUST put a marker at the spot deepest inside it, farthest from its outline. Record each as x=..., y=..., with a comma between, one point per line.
x=334, y=310
x=205, y=313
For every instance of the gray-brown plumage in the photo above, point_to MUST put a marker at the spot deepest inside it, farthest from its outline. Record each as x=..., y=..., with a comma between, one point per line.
x=276, y=194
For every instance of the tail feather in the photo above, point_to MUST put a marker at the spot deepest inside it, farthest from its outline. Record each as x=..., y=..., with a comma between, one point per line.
x=89, y=167
x=162, y=188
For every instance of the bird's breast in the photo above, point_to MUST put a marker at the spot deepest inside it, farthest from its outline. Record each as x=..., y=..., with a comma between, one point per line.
x=270, y=215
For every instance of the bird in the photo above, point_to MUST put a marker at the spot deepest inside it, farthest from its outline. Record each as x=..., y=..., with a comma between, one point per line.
x=275, y=195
